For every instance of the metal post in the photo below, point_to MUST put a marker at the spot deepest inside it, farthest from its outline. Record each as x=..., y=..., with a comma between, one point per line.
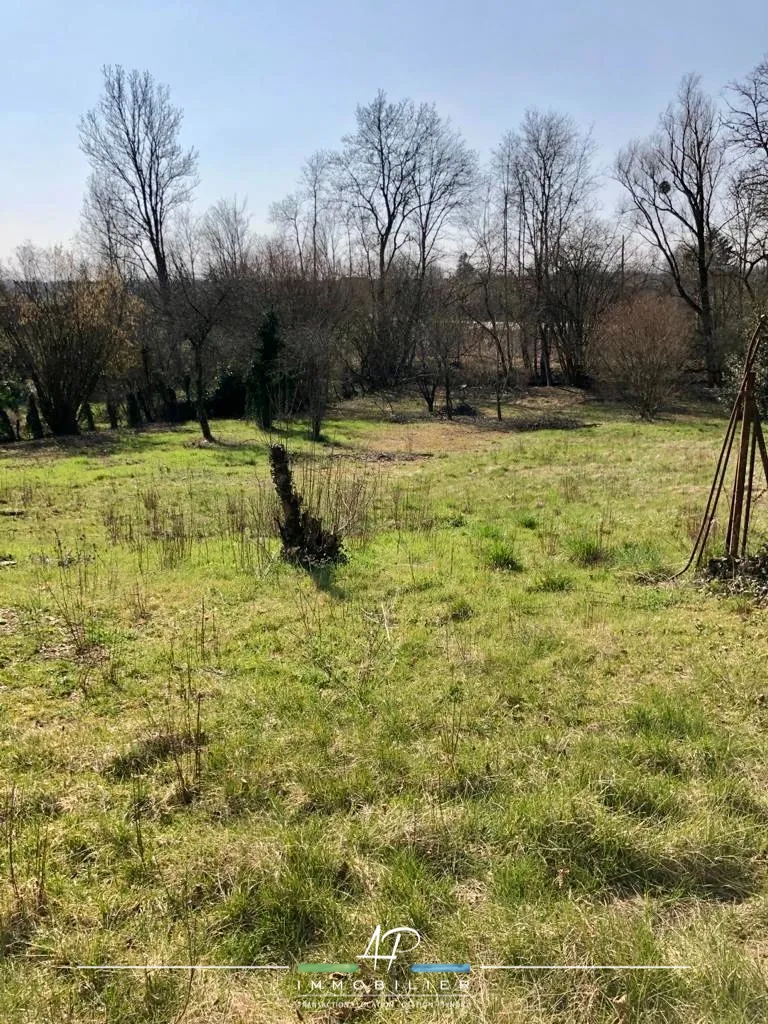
x=737, y=502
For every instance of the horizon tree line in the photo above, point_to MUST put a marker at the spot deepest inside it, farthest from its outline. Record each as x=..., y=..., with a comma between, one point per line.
x=393, y=254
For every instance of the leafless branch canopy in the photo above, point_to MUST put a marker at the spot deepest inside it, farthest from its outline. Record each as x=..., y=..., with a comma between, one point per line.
x=141, y=173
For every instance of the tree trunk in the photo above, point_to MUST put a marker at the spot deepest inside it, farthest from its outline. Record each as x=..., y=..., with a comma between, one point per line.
x=34, y=426
x=316, y=425
x=202, y=416
x=427, y=389
x=145, y=393
x=146, y=409
x=134, y=411
x=525, y=350
x=707, y=327
x=112, y=416
x=61, y=418
x=545, y=373
x=6, y=427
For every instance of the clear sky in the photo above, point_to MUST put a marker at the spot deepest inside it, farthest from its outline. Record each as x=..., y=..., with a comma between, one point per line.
x=265, y=83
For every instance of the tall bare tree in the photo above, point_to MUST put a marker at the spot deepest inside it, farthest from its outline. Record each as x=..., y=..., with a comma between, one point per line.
x=673, y=183
x=509, y=224
x=307, y=218
x=552, y=167
x=534, y=200
x=747, y=122
x=402, y=175
x=140, y=172
x=441, y=336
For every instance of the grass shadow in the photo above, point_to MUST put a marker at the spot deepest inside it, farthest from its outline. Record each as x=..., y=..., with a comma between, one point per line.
x=151, y=751
x=323, y=577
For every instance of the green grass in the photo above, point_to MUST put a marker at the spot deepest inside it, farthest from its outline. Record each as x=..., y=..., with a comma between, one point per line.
x=502, y=554
x=490, y=724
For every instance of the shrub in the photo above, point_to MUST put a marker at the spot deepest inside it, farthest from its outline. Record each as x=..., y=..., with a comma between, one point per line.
x=643, y=345
x=65, y=330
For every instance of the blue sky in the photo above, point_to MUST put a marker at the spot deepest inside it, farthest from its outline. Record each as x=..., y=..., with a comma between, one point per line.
x=264, y=84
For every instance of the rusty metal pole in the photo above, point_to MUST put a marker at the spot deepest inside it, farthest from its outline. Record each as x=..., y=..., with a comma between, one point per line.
x=750, y=430
x=754, y=419
x=737, y=501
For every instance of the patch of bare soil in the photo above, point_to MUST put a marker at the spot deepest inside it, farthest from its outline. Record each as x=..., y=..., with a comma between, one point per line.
x=409, y=442
x=525, y=424
x=9, y=621
x=369, y=455
x=401, y=442
x=65, y=649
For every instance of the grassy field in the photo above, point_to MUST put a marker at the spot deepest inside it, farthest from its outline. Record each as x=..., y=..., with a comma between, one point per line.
x=495, y=724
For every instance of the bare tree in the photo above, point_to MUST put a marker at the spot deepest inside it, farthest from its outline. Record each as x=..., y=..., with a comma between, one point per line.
x=747, y=122
x=509, y=221
x=525, y=226
x=204, y=289
x=673, y=184
x=288, y=216
x=748, y=118
x=493, y=289
x=227, y=234
x=314, y=317
x=747, y=224
x=444, y=177
x=552, y=167
x=402, y=175
x=440, y=340
x=141, y=174
x=141, y=177
x=376, y=173
x=584, y=282
x=307, y=218
x=103, y=232
x=482, y=280
x=65, y=330
x=315, y=181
